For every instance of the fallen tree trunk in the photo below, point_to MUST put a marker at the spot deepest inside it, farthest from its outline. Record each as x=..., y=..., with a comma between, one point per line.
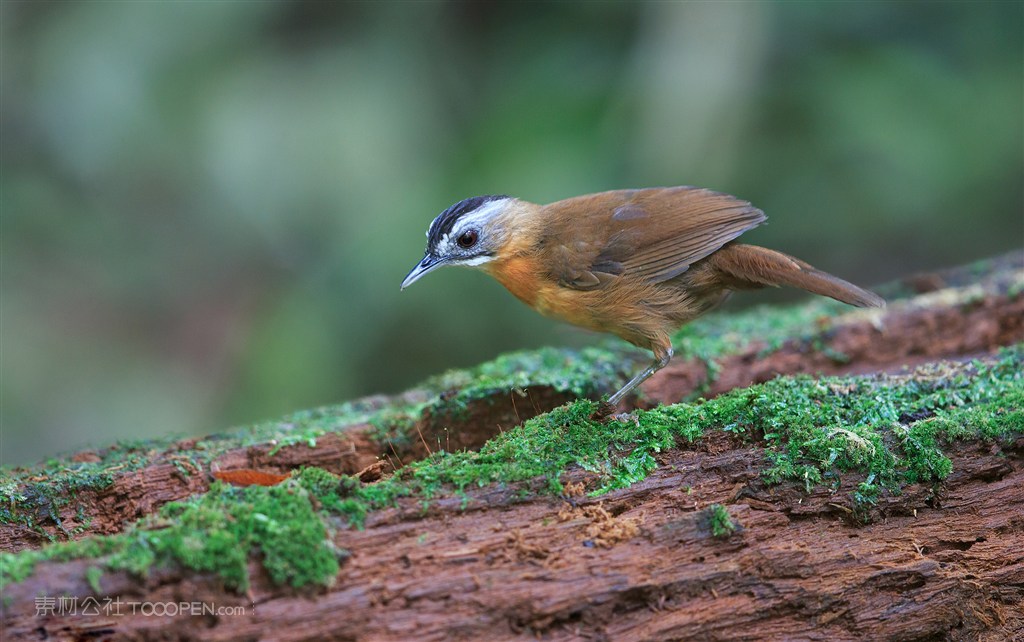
x=639, y=564
x=701, y=544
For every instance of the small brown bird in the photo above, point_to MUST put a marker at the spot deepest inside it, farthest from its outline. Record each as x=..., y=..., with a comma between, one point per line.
x=637, y=263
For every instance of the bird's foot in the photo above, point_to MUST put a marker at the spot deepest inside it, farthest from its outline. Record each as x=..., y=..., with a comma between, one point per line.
x=627, y=417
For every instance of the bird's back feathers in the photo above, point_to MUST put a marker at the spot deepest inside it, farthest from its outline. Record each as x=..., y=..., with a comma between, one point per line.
x=650, y=234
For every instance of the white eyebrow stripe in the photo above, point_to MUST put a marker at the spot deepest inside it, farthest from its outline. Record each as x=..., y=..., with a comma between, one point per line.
x=478, y=216
x=476, y=260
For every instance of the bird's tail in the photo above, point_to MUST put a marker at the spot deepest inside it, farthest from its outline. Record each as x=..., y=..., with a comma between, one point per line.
x=750, y=266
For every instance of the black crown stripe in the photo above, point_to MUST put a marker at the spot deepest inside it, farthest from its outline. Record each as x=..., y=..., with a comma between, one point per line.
x=446, y=220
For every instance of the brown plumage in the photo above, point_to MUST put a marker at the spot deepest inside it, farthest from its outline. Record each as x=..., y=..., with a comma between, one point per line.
x=635, y=263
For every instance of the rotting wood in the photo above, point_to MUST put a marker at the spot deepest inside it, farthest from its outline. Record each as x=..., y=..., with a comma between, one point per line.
x=930, y=567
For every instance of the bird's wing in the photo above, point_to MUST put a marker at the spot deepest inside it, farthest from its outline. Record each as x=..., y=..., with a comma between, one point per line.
x=653, y=234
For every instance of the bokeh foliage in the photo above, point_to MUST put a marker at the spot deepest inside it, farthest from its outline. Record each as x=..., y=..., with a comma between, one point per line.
x=207, y=207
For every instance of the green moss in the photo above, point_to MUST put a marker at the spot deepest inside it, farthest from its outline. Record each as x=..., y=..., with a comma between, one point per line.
x=331, y=491
x=582, y=373
x=15, y=567
x=36, y=502
x=544, y=447
x=889, y=429
x=216, y=532
x=587, y=372
x=719, y=521
x=1016, y=288
x=35, y=497
x=93, y=575
x=395, y=426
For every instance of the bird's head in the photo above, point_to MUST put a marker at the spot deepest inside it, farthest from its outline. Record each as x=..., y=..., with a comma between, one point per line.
x=470, y=232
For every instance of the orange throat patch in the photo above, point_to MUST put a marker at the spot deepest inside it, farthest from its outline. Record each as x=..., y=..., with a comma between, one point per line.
x=519, y=276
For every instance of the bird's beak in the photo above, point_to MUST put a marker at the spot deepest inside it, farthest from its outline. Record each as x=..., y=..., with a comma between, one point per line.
x=428, y=264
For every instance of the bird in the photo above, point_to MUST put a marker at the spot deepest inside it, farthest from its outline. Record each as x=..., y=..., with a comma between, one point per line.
x=636, y=263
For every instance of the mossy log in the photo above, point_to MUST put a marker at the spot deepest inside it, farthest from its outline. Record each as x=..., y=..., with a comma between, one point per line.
x=867, y=501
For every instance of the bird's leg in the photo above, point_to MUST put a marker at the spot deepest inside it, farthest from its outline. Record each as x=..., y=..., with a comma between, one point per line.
x=662, y=355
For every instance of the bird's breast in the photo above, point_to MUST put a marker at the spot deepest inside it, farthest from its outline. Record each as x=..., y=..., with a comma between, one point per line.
x=524, y=278
x=519, y=275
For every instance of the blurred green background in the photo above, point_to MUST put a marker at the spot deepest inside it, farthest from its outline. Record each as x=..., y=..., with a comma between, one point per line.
x=207, y=207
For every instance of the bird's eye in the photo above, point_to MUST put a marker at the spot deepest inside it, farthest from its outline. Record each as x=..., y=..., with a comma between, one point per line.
x=467, y=239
